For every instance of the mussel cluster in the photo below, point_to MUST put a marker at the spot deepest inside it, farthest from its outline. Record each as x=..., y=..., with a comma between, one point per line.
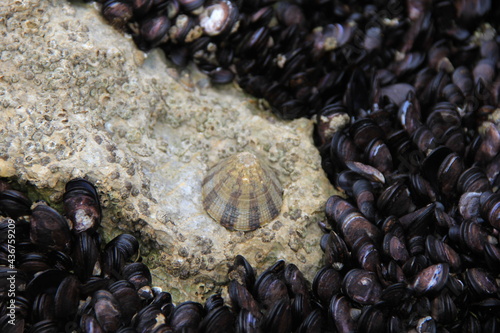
x=67, y=280
x=415, y=243
x=299, y=55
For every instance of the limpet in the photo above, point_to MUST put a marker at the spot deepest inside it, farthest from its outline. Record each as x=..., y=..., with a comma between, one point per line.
x=242, y=193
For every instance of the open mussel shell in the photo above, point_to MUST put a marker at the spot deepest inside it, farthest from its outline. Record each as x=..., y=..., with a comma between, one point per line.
x=242, y=193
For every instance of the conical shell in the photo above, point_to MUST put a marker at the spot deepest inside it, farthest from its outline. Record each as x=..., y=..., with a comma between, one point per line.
x=242, y=193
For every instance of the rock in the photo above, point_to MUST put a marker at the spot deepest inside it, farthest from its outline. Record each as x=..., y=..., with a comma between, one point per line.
x=79, y=100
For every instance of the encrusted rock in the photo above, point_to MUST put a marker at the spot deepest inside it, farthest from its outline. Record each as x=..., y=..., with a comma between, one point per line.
x=79, y=100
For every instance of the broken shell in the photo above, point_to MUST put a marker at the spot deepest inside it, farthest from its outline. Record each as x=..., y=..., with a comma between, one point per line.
x=242, y=193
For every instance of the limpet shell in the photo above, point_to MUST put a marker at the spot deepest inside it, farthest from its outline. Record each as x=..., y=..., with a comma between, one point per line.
x=242, y=193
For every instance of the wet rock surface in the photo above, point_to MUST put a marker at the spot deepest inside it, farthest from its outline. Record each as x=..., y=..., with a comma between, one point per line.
x=79, y=100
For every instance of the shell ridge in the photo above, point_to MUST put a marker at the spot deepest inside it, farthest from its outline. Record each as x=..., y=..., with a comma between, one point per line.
x=231, y=213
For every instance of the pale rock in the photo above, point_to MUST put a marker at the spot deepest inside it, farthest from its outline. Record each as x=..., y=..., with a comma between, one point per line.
x=78, y=99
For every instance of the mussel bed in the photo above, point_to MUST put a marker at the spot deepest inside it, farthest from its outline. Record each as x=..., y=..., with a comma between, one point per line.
x=412, y=246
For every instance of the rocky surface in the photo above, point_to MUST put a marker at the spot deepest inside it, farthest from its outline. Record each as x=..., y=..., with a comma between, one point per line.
x=77, y=99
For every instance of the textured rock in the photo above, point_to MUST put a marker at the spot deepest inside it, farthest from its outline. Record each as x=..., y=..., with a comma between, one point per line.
x=78, y=99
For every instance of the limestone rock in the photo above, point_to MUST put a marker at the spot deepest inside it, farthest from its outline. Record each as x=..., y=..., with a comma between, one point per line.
x=78, y=99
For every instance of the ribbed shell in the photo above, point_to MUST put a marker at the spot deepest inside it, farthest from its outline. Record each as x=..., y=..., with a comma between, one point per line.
x=242, y=193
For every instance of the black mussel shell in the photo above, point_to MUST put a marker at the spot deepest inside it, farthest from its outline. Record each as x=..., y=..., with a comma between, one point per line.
x=270, y=286
x=187, y=315
x=326, y=283
x=49, y=229
x=107, y=310
x=431, y=279
x=362, y=286
x=14, y=204
x=340, y=312
x=81, y=205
